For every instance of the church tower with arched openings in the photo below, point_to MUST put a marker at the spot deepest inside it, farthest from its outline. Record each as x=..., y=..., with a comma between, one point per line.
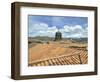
x=58, y=35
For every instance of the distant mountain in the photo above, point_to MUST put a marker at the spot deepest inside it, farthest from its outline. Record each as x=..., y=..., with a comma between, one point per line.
x=46, y=38
x=82, y=40
x=42, y=38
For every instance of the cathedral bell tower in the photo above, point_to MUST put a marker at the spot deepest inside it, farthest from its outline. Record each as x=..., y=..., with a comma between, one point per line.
x=58, y=36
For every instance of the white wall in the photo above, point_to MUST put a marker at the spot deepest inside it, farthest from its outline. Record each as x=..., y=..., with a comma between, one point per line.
x=5, y=38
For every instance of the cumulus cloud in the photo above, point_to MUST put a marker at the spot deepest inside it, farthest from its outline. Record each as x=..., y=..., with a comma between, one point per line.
x=76, y=31
x=42, y=29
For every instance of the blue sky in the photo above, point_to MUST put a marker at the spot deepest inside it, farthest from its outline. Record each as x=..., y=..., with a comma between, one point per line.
x=48, y=25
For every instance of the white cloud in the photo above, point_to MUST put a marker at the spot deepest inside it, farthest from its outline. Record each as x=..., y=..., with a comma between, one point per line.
x=42, y=29
x=76, y=31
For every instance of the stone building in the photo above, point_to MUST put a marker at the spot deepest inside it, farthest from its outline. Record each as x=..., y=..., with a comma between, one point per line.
x=58, y=36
